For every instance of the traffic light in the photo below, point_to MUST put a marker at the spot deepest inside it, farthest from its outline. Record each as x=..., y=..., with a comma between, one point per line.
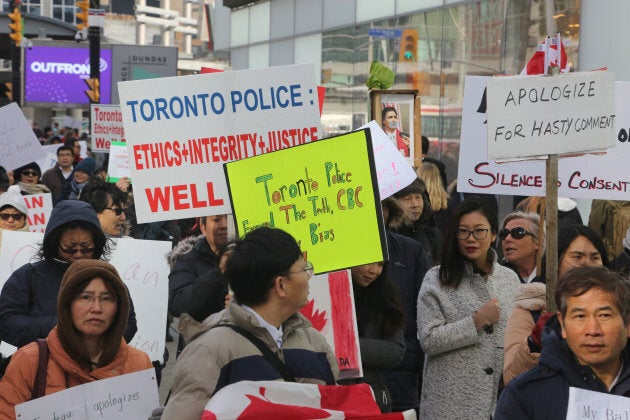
x=82, y=14
x=408, y=46
x=16, y=26
x=95, y=90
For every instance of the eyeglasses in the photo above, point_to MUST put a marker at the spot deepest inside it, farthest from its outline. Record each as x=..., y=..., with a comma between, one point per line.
x=30, y=173
x=15, y=216
x=72, y=251
x=308, y=268
x=478, y=234
x=117, y=210
x=517, y=233
x=88, y=299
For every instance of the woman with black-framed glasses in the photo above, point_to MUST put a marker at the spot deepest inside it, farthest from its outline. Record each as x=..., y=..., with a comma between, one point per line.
x=13, y=211
x=28, y=301
x=462, y=312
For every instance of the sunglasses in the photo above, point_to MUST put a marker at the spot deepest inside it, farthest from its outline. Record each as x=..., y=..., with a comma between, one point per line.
x=117, y=210
x=517, y=233
x=14, y=216
x=72, y=251
x=30, y=173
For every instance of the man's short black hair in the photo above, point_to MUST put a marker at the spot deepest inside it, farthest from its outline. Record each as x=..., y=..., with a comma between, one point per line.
x=97, y=193
x=64, y=147
x=256, y=260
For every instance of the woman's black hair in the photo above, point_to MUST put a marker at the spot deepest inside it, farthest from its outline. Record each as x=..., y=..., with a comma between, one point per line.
x=452, y=262
x=49, y=249
x=378, y=303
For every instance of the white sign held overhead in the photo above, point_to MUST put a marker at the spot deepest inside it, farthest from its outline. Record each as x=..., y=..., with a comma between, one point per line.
x=588, y=176
x=180, y=131
x=19, y=143
x=530, y=116
x=106, y=126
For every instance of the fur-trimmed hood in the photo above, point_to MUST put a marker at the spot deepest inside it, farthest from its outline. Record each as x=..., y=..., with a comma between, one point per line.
x=531, y=296
x=183, y=247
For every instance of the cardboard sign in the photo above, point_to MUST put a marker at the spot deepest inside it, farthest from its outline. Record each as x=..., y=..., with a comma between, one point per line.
x=106, y=126
x=130, y=396
x=39, y=209
x=589, y=176
x=393, y=170
x=180, y=130
x=540, y=115
x=584, y=404
x=19, y=143
x=330, y=309
x=118, y=165
x=323, y=193
x=141, y=265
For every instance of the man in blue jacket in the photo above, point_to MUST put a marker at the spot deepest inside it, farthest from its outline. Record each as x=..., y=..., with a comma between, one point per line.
x=585, y=348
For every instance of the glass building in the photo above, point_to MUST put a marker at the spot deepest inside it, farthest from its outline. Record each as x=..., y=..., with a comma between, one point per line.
x=431, y=45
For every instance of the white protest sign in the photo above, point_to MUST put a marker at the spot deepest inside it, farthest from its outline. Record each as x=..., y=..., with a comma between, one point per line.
x=393, y=171
x=39, y=209
x=141, y=265
x=540, y=115
x=106, y=126
x=180, y=130
x=584, y=404
x=330, y=308
x=130, y=396
x=19, y=143
x=70, y=122
x=118, y=165
x=50, y=157
x=588, y=176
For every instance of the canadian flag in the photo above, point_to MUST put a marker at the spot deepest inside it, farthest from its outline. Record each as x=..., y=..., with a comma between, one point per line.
x=295, y=401
x=537, y=65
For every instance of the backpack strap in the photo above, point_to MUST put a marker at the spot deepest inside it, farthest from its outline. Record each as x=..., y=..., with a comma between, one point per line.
x=271, y=357
x=39, y=388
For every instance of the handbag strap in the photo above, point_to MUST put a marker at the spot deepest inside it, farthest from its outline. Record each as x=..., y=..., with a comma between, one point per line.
x=271, y=357
x=39, y=388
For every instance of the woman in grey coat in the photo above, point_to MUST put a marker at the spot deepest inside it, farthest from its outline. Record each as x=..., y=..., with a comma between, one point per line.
x=463, y=307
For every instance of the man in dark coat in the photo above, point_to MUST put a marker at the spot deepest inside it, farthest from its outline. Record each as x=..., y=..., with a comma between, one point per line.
x=195, y=284
x=55, y=178
x=585, y=347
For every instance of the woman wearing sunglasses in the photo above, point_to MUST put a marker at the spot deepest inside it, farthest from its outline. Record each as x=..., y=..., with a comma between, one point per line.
x=520, y=237
x=13, y=211
x=29, y=179
x=28, y=301
x=578, y=246
x=463, y=308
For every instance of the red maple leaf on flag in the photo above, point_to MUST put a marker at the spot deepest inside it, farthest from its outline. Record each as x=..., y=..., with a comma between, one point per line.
x=317, y=318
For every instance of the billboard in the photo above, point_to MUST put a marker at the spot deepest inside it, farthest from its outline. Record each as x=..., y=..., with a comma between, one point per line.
x=55, y=75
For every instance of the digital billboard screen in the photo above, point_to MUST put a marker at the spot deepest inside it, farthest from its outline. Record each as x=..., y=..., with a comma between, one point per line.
x=55, y=75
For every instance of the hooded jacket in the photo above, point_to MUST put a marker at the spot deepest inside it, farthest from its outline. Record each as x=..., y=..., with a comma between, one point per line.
x=28, y=301
x=217, y=357
x=69, y=363
x=543, y=392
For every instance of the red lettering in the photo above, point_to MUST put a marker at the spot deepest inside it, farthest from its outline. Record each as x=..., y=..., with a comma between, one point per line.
x=101, y=143
x=33, y=202
x=213, y=201
x=137, y=156
x=180, y=194
x=159, y=196
x=196, y=203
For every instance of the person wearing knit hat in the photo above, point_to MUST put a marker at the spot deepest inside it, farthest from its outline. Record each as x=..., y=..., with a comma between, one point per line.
x=29, y=179
x=28, y=299
x=13, y=211
x=86, y=345
x=83, y=171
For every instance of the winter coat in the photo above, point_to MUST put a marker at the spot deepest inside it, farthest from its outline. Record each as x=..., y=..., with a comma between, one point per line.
x=518, y=358
x=406, y=269
x=543, y=392
x=462, y=365
x=62, y=372
x=28, y=301
x=53, y=178
x=220, y=356
x=196, y=286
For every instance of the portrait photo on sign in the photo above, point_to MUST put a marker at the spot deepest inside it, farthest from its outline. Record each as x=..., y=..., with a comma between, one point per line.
x=395, y=112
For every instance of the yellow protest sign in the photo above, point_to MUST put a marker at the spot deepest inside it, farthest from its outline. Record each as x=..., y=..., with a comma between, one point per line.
x=323, y=193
